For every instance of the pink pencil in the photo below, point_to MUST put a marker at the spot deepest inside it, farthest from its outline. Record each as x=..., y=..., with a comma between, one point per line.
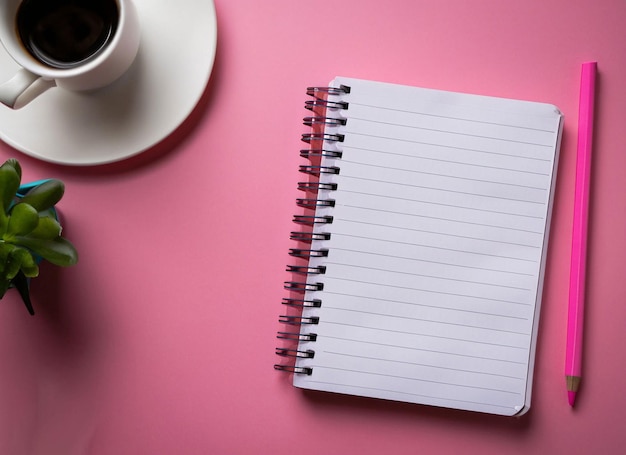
x=573, y=358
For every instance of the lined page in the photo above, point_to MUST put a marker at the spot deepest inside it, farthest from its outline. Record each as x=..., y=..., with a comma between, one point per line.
x=434, y=274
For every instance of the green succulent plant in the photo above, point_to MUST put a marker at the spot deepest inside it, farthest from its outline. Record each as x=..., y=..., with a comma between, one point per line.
x=29, y=231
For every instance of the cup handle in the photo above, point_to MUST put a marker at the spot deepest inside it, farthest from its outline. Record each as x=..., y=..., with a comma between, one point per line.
x=19, y=84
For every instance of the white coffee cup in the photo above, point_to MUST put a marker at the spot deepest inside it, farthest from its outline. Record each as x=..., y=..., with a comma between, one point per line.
x=101, y=68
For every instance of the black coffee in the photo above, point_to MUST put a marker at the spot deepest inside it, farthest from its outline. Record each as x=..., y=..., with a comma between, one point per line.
x=66, y=33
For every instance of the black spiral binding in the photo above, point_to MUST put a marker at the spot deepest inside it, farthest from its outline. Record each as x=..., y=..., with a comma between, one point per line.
x=312, y=138
x=308, y=237
x=302, y=303
x=326, y=115
x=318, y=170
x=311, y=121
x=318, y=153
x=316, y=186
x=296, y=336
x=306, y=270
x=312, y=219
x=311, y=203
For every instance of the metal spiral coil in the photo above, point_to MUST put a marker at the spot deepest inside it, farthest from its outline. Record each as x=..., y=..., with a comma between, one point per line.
x=325, y=105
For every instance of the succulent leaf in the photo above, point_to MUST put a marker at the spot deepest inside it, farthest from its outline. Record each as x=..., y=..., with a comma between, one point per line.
x=22, y=220
x=44, y=196
x=58, y=251
x=29, y=265
x=15, y=165
x=5, y=251
x=48, y=228
x=14, y=262
x=9, y=183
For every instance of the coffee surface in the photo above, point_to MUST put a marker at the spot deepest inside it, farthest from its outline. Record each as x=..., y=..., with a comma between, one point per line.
x=66, y=33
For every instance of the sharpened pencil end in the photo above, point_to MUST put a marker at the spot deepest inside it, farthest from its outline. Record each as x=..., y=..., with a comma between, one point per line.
x=571, y=397
x=573, y=382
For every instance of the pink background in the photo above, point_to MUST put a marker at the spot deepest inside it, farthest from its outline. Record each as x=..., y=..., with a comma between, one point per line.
x=161, y=340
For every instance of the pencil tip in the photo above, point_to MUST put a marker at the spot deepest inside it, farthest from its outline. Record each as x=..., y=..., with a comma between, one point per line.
x=571, y=397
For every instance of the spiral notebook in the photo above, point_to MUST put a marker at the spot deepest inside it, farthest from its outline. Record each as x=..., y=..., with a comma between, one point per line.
x=419, y=256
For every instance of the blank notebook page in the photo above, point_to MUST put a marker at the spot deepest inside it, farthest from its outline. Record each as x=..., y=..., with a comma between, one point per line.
x=433, y=279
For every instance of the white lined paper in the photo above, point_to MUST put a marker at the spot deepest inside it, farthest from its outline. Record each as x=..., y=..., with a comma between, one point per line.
x=433, y=278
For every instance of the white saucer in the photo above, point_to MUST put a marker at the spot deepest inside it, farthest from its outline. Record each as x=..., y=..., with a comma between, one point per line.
x=176, y=54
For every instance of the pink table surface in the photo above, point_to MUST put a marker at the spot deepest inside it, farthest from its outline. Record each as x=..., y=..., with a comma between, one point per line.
x=161, y=340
